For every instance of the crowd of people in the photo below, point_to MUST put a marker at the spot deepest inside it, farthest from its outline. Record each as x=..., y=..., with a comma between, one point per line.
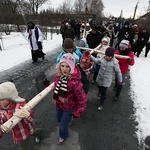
x=76, y=67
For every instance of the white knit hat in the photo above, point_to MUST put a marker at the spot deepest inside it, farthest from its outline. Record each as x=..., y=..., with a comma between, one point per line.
x=107, y=39
x=124, y=43
x=8, y=91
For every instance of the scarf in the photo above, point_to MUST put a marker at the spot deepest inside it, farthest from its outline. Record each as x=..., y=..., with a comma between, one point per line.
x=61, y=88
x=125, y=52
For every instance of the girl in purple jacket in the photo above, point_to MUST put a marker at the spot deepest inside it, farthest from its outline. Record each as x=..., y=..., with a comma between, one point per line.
x=69, y=96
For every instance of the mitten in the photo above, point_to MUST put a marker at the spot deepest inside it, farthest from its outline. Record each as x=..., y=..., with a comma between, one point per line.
x=4, y=129
x=76, y=114
x=39, y=45
x=22, y=113
x=46, y=82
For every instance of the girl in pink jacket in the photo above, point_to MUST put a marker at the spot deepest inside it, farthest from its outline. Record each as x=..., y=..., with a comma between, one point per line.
x=69, y=96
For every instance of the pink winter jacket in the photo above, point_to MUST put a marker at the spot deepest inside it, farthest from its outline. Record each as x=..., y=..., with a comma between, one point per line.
x=76, y=96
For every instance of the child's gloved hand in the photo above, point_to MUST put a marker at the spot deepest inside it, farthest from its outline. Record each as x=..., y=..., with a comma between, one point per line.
x=4, y=129
x=22, y=113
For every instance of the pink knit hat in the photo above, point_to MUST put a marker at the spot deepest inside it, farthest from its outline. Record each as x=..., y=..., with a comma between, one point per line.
x=70, y=60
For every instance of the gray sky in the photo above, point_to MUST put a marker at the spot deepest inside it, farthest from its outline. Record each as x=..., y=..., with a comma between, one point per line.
x=114, y=7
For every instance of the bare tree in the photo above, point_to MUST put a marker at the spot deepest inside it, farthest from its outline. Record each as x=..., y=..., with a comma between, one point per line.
x=13, y=7
x=79, y=6
x=65, y=7
x=34, y=5
x=94, y=7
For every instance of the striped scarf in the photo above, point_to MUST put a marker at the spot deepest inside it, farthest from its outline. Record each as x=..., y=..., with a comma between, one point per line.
x=61, y=88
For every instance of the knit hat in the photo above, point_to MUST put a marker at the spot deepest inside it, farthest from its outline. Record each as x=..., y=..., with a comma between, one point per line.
x=82, y=42
x=107, y=39
x=8, y=91
x=124, y=43
x=68, y=43
x=110, y=51
x=70, y=60
x=86, y=60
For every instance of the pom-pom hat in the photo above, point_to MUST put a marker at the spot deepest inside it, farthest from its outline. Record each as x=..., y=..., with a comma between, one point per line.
x=70, y=60
x=86, y=59
x=8, y=91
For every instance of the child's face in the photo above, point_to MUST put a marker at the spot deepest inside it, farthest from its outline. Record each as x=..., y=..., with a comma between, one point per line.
x=104, y=43
x=4, y=103
x=65, y=68
x=70, y=50
x=122, y=48
x=108, y=58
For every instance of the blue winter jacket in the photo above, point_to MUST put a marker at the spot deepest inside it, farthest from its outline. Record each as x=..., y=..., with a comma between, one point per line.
x=76, y=53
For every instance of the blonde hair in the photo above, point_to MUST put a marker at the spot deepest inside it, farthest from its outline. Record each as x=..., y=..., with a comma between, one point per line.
x=59, y=72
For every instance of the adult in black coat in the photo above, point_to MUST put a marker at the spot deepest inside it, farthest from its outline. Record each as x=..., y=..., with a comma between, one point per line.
x=69, y=33
x=142, y=41
x=125, y=33
x=94, y=38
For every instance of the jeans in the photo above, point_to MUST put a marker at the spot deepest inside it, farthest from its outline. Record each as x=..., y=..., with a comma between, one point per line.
x=64, y=118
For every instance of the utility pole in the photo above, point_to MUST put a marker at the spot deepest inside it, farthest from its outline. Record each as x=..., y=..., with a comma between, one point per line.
x=135, y=10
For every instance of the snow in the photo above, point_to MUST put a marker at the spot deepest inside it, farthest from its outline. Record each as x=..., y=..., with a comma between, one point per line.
x=16, y=50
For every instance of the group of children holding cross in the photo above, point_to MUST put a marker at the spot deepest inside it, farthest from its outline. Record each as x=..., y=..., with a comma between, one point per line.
x=71, y=85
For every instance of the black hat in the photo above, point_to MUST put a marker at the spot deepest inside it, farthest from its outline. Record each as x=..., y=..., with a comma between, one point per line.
x=30, y=25
x=110, y=51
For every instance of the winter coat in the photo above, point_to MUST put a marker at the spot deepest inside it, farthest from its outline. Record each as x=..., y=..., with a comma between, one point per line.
x=84, y=80
x=36, y=36
x=76, y=53
x=76, y=96
x=69, y=33
x=107, y=71
x=123, y=63
x=125, y=34
x=24, y=129
x=93, y=40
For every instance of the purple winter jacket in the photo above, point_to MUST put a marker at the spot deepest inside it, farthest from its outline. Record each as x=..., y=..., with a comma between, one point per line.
x=76, y=96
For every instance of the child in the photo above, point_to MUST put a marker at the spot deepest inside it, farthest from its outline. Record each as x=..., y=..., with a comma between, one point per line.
x=124, y=49
x=11, y=105
x=102, y=47
x=109, y=66
x=69, y=95
x=68, y=47
x=85, y=66
x=83, y=43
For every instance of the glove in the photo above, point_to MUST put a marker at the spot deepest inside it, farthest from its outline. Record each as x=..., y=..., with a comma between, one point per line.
x=76, y=115
x=46, y=82
x=39, y=45
x=129, y=59
x=4, y=129
x=22, y=113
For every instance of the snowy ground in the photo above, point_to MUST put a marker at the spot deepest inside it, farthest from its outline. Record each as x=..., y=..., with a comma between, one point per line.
x=16, y=50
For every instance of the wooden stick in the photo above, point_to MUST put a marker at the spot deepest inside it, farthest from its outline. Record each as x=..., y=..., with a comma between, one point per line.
x=101, y=52
x=32, y=103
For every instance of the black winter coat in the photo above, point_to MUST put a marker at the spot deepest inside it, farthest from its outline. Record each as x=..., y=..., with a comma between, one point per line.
x=93, y=40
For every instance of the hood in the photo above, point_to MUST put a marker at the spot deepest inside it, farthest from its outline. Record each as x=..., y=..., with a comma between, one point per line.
x=76, y=74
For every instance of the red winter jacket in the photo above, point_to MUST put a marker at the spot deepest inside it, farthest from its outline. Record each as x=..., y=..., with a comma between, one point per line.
x=76, y=96
x=123, y=63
